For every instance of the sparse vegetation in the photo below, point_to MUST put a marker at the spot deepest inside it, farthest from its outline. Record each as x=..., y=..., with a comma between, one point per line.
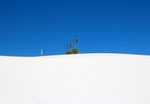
x=75, y=50
x=69, y=52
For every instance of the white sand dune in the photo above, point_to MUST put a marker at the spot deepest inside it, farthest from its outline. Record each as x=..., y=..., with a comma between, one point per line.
x=75, y=79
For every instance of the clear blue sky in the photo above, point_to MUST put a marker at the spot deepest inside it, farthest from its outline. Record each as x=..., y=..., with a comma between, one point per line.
x=102, y=26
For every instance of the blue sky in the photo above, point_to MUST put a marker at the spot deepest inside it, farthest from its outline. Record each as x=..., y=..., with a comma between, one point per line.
x=102, y=26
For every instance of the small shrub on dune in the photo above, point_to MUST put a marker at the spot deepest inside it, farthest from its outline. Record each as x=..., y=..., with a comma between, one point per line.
x=69, y=52
x=75, y=51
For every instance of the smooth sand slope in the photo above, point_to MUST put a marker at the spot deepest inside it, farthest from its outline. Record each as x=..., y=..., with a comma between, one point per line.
x=75, y=79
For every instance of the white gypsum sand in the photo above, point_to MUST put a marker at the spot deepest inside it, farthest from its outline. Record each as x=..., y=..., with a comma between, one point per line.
x=75, y=79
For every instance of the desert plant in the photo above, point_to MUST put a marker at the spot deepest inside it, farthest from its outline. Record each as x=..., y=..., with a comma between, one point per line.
x=70, y=46
x=73, y=43
x=69, y=52
x=75, y=51
x=76, y=43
